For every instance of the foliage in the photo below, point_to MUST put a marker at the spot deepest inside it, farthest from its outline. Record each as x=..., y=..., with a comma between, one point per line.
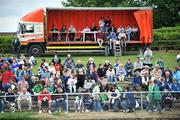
x=5, y=43
x=166, y=12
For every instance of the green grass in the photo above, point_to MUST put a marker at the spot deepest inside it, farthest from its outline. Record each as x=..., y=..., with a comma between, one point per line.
x=168, y=57
x=18, y=116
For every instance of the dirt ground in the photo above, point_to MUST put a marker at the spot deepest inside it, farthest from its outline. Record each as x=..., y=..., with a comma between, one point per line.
x=167, y=115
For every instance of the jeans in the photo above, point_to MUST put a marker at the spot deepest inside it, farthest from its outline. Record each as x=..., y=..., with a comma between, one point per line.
x=114, y=104
x=72, y=87
x=153, y=103
x=112, y=79
x=106, y=50
x=97, y=105
x=58, y=104
x=102, y=29
x=6, y=86
x=78, y=106
x=2, y=105
x=128, y=35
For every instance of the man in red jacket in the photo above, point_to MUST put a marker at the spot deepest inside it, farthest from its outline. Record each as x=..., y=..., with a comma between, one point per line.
x=7, y=79
x=44, y=96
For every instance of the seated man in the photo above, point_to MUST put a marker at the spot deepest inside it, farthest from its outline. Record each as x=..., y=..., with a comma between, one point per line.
x=129, y=101
x=24, y=97
x=59, y=101
x=122, y=37
x=63, y=32
x=10, y=101
x=86, y=34
x=72, y=31
x=135, y=33
x=137, y=81
x=43, y=97
x=112, y=37
x=54, y=33
x=113, y=96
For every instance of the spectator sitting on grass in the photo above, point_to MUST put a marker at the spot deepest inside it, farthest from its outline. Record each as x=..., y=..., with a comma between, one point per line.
x=148, y=53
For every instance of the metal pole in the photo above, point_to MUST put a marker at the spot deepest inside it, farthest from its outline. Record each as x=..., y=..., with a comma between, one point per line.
x=67, y=102
x=141, y=100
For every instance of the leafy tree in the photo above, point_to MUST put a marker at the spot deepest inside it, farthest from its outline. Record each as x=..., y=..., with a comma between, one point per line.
x=166, y=12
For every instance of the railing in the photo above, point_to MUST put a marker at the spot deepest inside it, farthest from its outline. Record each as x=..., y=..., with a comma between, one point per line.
x=70, y=102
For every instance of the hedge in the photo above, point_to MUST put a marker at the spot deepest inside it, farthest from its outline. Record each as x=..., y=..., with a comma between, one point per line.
x=167, y=33
x=5, y=43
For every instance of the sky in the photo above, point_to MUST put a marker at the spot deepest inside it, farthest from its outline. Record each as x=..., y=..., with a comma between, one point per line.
x=11, y=11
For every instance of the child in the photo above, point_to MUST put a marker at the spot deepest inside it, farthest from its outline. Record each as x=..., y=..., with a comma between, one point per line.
x=72, y=83
x=121, y=73
x=167, y=99
x=111, y=75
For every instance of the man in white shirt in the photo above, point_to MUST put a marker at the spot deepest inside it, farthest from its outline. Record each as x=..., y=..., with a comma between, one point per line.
x=122, y=37
x=24, y=97
x=148, y=53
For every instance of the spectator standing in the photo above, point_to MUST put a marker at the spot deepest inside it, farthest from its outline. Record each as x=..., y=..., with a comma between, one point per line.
x=16, y=47
x=107, y=23
x=102, y=24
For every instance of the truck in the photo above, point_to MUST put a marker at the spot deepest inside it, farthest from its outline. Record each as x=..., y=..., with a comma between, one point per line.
x=35, y=35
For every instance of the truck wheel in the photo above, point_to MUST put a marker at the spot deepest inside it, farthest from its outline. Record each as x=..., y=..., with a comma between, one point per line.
x=35, y=50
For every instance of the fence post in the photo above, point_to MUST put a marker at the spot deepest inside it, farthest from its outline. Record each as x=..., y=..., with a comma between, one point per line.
x=141, y=100
x=67, y=102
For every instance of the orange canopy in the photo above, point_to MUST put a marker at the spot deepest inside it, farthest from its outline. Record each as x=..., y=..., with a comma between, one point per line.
x=144, y=21
x=34, y=16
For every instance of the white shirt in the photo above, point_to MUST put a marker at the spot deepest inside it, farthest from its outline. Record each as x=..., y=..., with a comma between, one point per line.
x=178, y=56
x=26, y=96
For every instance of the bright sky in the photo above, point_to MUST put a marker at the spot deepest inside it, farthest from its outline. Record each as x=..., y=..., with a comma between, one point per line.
x=12, y=10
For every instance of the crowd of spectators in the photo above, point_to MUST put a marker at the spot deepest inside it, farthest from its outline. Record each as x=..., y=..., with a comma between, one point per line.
x=102, y=82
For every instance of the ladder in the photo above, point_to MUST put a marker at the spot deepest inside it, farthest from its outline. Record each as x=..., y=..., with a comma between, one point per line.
x=118, y=49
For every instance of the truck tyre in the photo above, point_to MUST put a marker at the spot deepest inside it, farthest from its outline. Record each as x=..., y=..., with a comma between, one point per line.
x=35, y=50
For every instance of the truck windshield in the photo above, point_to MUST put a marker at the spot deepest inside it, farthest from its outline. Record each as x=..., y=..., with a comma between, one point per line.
x=26, y=28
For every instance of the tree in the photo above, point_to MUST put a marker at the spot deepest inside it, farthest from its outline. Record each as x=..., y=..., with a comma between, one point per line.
x=166, y=12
